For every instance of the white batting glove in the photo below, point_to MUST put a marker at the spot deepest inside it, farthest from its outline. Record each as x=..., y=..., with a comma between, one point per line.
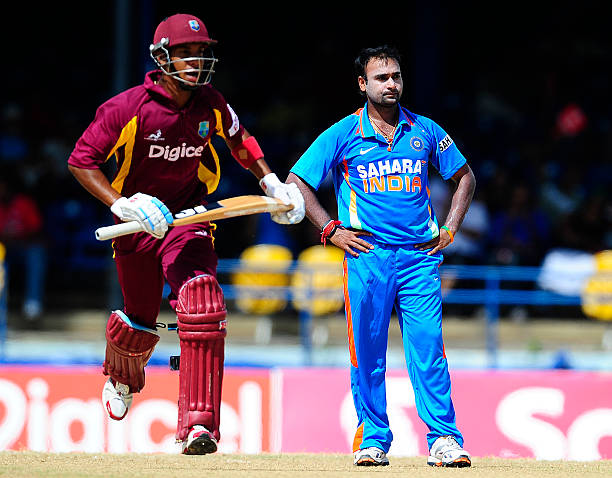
x=287, y=193
x=149, y=211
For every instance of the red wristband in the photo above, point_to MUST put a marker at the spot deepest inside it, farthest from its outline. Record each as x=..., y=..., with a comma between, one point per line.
x=328, y=230
x=247, y=152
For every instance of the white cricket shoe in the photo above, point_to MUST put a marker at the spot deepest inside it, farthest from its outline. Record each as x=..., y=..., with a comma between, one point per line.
x=370, y=456
x=445, y=451
x=199, y=442
x=116, y=398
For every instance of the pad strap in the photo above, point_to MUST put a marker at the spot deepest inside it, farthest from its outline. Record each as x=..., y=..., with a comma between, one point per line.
x=129, y=347
x=247, y=152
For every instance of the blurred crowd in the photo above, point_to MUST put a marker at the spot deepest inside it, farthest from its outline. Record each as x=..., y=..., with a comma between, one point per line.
x=537, y=190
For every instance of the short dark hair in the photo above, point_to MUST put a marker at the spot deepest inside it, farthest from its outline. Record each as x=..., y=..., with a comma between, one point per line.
x=381, y=52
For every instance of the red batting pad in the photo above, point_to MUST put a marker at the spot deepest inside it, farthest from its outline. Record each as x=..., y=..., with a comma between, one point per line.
x=201, y=321
x=128, y=350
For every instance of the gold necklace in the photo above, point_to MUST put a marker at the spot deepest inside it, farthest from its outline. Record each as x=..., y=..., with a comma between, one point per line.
x=388, y=136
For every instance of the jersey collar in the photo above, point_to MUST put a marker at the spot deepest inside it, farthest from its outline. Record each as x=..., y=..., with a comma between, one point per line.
x=162, y=96
x=367, y=130
x=155, y=89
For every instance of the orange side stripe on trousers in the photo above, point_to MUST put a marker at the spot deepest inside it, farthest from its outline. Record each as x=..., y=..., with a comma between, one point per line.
x=358, y=438
x=349, y=317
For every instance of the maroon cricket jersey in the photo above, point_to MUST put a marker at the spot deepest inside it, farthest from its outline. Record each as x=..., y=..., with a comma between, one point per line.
x=161, y=149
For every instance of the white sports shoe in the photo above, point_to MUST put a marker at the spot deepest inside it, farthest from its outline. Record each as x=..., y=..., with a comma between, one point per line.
x=116, y=398
x=199, y=442
x=447, y=452
x=370, y=456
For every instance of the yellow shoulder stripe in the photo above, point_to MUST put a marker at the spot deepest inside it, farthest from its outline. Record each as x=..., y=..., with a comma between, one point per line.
x=127, y=139
x=219, y=123
x=206, y=176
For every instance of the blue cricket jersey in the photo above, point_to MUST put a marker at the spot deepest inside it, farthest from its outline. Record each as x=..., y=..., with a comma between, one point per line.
x=382, y=188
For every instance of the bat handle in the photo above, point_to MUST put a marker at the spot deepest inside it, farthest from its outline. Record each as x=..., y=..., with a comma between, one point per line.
x=116, y=230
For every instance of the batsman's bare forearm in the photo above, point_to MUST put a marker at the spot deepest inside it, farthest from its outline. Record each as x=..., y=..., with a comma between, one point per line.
x=260, y=167
x=96, y=183
x=462, y=197
x=315, y=212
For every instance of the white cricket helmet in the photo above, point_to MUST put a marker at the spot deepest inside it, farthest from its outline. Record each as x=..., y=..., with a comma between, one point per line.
x=178, y=29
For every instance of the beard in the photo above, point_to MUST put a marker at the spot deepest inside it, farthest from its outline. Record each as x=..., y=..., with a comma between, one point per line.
x=386, y=100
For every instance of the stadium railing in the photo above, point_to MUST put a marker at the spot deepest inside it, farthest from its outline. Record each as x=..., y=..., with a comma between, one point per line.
x=493, y=287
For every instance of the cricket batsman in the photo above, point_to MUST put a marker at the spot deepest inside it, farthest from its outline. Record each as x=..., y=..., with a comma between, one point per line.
x=159, y=133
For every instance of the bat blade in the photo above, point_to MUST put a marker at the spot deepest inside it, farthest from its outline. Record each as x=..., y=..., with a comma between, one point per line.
x=223, y=209
x=231, y=207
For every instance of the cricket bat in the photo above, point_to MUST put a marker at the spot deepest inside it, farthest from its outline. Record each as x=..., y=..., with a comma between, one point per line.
x=223, y=209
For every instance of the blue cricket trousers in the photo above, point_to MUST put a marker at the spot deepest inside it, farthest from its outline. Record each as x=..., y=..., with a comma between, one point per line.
x=374, y=283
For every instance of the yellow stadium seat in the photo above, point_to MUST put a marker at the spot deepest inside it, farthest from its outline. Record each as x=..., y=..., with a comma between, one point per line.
x=603, y=261
x=317, y=282
x=597, y=293
x=265, y=268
